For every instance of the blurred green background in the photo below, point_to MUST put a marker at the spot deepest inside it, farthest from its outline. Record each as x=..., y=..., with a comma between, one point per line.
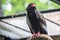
x=13, y=7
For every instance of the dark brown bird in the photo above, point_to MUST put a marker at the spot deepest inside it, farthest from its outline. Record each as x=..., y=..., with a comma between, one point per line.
x=35, y=20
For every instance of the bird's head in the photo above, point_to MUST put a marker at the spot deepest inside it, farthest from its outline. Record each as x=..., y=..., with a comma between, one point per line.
x=31, y=6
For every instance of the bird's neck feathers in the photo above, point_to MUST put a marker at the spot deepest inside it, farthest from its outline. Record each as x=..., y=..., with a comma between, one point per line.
x=29, y=11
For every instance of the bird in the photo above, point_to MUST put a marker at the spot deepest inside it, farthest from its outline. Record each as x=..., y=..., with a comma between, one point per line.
x=35, y=20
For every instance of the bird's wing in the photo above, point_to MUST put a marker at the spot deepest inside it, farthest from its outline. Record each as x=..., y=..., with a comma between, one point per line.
x=29, y=24
x=40, y=17
x=41, y=20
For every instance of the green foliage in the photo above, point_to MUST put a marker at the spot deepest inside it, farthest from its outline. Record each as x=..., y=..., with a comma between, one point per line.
x=19, y=6
x=3, y=1
x=55, y=5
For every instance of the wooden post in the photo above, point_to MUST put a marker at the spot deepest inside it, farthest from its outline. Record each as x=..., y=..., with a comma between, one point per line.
x=41, y=37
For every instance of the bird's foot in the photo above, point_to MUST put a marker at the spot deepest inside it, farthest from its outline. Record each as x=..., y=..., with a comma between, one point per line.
x=33, y=36
x=38, y=34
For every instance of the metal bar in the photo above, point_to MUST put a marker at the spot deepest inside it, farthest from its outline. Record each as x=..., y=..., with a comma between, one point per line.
x=15, y=26
x=24, y=14
x=53, y=22
x=56, y=1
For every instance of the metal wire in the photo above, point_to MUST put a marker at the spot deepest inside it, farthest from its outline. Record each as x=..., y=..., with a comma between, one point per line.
x=15, y=26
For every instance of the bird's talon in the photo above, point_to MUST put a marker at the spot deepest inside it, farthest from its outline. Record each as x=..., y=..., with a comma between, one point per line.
x=38, y=34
